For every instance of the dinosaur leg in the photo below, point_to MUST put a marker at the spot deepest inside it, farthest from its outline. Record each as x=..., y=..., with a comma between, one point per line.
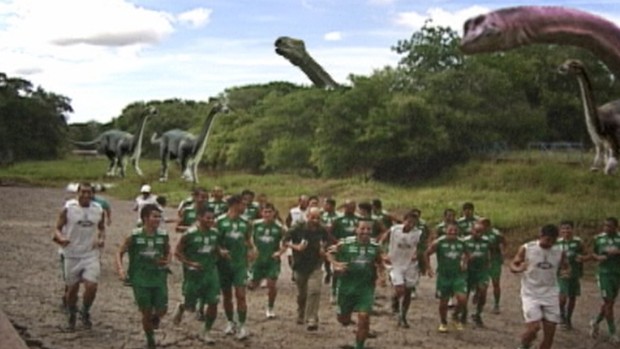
x=163, y=174
x=122, y=164
x=612, y=161
x=599, y=154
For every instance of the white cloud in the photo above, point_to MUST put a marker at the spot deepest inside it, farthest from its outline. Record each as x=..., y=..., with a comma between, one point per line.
x=197, y=17
x=441, y=17
x=333, y=36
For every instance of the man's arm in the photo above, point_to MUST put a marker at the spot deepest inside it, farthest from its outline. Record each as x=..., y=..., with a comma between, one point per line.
x=518, y=264
x=101, y=231
x=119, y=258
x=57, y=236
x=564, y=266
x=427, y=257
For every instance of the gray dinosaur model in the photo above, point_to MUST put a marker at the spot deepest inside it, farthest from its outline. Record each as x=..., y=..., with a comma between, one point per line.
x=117, y=145
x=294, y=50
x=185, y=147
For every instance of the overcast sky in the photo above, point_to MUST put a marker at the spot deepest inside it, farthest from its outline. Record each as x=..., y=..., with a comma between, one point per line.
x=105, y=54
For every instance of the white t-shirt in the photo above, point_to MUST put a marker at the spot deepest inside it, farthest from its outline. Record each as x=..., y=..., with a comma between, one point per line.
x=540, y=279
x=403, y=246
x=141, y=202
x=81, y=229
x=297, y=215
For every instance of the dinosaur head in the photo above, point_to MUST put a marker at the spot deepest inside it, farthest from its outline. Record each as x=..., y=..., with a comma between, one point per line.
x=292, y=49
x=571, y=66
x=495, y=31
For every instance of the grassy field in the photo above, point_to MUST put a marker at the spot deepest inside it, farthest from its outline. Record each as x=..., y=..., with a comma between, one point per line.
x=517, y=196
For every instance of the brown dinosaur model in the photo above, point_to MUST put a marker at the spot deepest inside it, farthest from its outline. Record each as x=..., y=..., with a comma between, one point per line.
x=294, y=50
x=597, y=119
x=509, y=28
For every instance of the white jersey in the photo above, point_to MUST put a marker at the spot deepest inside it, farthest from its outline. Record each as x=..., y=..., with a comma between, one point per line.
x=539, y=280
x=403, y=246
x=297, y=215
x=81, y=229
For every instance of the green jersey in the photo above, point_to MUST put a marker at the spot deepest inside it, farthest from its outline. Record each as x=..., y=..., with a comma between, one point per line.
x=377, y=226
x=328, y=218
x=252, y=211
x=361, y=259
x=383, y=217
x=440, y=229
x=466, y=224
x=572, y=248
x=188, y=215
x=449, y=256
x=267, y=237
x=201, y=246
x=603, y=243
x=344, y=226
x=479, y=253
x=234, y=234
x=495, y=241
x=219, y=207
x=145, y=251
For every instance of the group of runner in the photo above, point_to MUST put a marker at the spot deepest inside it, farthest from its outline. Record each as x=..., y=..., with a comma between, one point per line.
x=232, y=243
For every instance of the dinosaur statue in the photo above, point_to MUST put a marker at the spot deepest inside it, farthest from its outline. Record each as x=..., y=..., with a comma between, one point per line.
x=185, y=147
x=294, y=50
x=117, y=144
x=509, y=28
x=596, y=118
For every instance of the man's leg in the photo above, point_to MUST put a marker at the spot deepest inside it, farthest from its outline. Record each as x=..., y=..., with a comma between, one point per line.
x=301, y=280
x=405, y=303
x=88, y=298
x=363, y=327
x=443, y=314
x=147, y=326
x=529, y=334
x=548, y=334
x=313, y=299
x=272, y=293
x=242, y=311
x=497, y=293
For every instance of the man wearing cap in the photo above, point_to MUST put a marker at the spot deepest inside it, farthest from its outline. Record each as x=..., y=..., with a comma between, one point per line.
x=145, y=198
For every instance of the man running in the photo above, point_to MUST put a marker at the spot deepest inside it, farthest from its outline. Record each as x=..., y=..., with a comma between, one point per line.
x=497, y=248
x=477, y=246
x=570, y=287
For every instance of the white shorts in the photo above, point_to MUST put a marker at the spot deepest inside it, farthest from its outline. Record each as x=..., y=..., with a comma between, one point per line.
x=82, y=269
x=537, y=310
x=405, y=276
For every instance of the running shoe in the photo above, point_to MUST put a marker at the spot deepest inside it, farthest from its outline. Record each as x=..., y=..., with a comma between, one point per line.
x=207, y=338
x=85, y=317
x=177, y=315
x=230, y=329
x=458, y=326
x=270, y=314
x=443, y=328
x=593, y=329
x=242, y=334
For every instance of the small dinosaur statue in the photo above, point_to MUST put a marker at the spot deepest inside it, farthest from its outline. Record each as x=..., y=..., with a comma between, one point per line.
x=117, y=145
x=509, y=28
x=185, y=147
x=294, y=50
x=599, y=120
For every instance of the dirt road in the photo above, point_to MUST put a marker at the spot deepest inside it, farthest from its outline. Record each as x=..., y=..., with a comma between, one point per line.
x=30, y=289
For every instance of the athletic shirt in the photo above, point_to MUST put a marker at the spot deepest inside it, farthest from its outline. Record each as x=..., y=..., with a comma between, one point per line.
x=81, y=228
x=144, y=253
x=297, y=216
x=344, y=226
x=604, y=242
x=219, y=207
x=495, y=238
x=360, y=259
x=478, y=250
x=251, y=211
x=383, y=217
x=403, y=246
x=466, y=224
x=141, y=202
x=572, y=248
x=201, y=246
x=328, y=218
x=233, y=234
x=539, y=280
x=441, y=229
x=188, y=215
x=267, y=237
x=449, y=255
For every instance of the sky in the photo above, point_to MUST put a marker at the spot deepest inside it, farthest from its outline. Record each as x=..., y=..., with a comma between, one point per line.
x=106, y=54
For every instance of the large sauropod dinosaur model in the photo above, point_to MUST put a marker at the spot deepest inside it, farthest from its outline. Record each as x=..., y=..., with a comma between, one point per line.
x=509, y=28
x=185, y=147
x=294, y=50
x=117, y=145
x=599, y=121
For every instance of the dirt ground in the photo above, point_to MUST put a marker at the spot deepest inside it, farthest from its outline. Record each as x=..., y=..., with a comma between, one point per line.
x=30, y=289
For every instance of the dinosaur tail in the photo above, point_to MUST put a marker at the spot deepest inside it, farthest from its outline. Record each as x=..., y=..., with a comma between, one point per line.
x=86, y=144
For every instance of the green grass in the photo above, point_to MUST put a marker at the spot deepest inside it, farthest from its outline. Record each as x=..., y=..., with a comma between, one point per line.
x=517, y=196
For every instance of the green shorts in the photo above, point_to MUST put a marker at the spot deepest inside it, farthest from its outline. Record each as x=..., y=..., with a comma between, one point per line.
x=608, y=284
x=266, y=270
x=151, y=298
x=570, y=287
x=495, y=270
x=232, y=275
x=447, y=287
x=359, y=300
x=198, y=285
x=477, y=279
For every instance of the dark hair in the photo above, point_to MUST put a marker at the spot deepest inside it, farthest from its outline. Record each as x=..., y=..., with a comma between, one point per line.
x=468, y=206
x=203, y=209
x=145, y=212
x=161, y=200
x=568, y=222
x=269, y=206
x=366, y=206
x=313, y=197
x=613, y=220
x=85, y=185
x=199, y=190
x=417, y=210
x=549, y=230
x=247, y=192
x=411, y=214
x=447, y=210
x=330, y=201
x=234, y=199
x=377, y=203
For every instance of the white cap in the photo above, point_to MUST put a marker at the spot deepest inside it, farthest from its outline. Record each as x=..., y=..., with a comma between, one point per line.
x=145, y=189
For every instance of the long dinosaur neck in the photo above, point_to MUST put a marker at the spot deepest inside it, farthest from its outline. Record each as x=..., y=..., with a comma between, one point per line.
x=316, y=73
x=137, y=141
x=201, y=141
x=589, y=107
x=563, y=26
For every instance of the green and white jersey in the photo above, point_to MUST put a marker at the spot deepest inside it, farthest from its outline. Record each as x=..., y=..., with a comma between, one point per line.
x=145, y=251
x=234, y=233
x=267, y=237
x=361, y=259
x=201, y=246
x=328, y=218
x=604, y=243
x=449, y=256
x=495, y=240
x=441, y=229
x=383, y=217
x=466, y=224
x=479, y=253
x=188, y=215
x=219, y=207
x=252, y=211
x=344, y=226
x=572, y=248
